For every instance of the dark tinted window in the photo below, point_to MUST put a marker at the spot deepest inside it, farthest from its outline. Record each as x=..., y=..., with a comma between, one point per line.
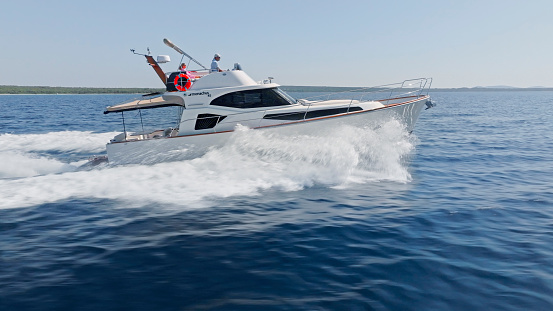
x=207, y=121
x=251, y=99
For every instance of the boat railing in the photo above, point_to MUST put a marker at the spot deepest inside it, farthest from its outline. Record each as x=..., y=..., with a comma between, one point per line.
x=193, y=74
x=382, y=93
x=385, y=94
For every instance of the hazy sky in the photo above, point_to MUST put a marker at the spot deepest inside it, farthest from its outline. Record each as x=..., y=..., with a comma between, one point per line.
x=462, y=43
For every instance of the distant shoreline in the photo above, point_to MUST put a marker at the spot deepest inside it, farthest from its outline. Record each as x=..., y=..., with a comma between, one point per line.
x=31, y=90
x=40, y=90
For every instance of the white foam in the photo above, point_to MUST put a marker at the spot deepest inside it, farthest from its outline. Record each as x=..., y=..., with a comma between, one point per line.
x=20, y=154
x=66, y=141
x=251, y=162
x=15, y=164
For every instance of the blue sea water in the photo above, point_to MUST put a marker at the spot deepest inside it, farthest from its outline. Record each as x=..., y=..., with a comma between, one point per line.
x=456, y=216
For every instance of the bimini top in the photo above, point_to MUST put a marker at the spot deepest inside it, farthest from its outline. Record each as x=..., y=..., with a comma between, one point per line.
x=147, y=103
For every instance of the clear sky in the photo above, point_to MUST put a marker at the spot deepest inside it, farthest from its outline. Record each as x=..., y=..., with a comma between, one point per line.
x=462, y=43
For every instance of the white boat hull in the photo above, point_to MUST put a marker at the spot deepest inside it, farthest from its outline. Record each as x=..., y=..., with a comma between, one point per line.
x=177, y=148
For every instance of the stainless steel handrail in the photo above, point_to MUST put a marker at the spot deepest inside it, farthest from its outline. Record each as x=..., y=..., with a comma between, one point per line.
x=392, y=88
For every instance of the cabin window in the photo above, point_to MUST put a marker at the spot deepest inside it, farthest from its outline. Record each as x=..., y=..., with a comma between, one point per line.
x=252, y=99
x=207, y=121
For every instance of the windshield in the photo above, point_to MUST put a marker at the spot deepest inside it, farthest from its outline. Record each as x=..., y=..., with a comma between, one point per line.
x=286, y=96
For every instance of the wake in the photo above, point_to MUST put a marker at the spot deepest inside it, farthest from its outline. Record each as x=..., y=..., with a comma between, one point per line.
x=39, y=154
x=251, y=162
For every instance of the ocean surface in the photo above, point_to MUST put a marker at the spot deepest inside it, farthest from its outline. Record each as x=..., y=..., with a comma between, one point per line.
x=456, y=216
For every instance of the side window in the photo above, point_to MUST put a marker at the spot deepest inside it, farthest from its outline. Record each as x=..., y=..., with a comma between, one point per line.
x=251, y=99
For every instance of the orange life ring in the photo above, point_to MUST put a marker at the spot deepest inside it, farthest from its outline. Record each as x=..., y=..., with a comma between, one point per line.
x=182, y=82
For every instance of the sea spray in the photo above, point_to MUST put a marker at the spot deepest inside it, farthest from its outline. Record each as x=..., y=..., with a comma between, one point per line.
x=25, y=155
x=383, y=153
x=20, y=164
x=64, y=141
x=251, y=162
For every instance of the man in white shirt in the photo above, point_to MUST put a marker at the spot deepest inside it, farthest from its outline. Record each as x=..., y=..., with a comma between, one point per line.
x=215, y=63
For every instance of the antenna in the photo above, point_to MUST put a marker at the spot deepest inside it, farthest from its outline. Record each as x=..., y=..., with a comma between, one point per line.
x=173, y=46
x=176, y=48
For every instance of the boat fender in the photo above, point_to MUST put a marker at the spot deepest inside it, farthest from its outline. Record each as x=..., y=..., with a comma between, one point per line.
x=167, y=132
x=182, y=82
x=429, y=104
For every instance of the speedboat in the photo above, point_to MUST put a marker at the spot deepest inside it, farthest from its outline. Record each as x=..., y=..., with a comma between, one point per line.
x=212, y=105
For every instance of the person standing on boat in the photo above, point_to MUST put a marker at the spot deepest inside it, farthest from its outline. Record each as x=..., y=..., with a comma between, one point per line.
x=215, y=63
x=182, y=67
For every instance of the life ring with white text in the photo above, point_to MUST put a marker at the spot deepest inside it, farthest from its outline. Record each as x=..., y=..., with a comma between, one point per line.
x=182, y=82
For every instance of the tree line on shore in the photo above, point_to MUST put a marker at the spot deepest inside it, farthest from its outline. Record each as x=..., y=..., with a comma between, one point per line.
x=14, y=89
